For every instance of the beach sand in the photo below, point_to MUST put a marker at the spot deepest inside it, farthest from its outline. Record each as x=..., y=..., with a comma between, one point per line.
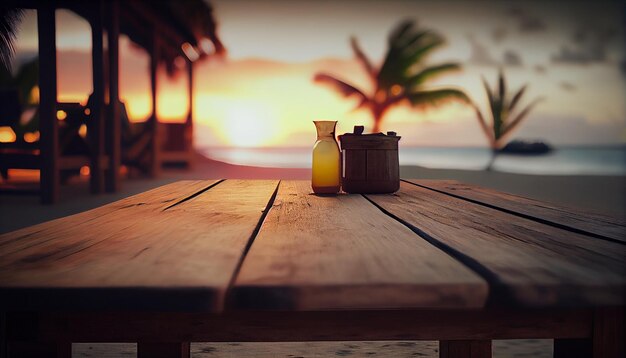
x=595, y=193
x=603, y=194
x=536, y=348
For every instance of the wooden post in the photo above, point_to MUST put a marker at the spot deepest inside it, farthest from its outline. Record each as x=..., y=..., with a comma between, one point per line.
x=465, y=349
x=607, y=339
x=48, y=127
x=3, y=335
x=163, y=349
x=154, y=123
x=572, y=348
x=96, y=128
x=189, y=121
x=23, y=340
x=113, y=145
x=608, y=332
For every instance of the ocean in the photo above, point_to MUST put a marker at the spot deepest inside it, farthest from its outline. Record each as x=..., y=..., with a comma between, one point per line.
x=607, y=160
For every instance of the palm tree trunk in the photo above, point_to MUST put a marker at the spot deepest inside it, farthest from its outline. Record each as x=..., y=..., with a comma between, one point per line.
x=378, y=118
x=494, y=153
x=376, y=128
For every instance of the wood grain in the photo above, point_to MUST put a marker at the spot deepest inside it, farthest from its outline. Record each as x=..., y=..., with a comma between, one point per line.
x=144, y=256
x=315, y=252
x=527, y=263
x=75, y=225
x=586, y=222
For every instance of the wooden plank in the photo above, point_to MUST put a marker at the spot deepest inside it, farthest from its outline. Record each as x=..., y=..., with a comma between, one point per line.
x=316, y=252
x=465, y=349
x=297, y=326
x=48, y=127
x=151, y=200
x=569, y=218
x=180, y=257
x=526, y=263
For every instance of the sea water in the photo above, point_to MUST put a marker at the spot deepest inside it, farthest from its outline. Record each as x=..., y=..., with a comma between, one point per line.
x=601, y=160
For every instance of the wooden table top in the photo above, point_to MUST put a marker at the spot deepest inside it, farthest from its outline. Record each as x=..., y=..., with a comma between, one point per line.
x=267, y=244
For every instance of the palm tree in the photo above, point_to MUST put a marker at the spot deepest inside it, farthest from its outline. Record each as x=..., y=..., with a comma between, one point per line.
x=402, y=75
x=23, y=82
x=9, y=20
x=501, y=108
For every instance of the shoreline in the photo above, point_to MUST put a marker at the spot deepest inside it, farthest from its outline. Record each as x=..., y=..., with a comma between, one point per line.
x=601, y=194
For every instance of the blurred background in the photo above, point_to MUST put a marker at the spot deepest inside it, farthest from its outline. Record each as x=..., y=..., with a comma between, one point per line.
x=254, y=102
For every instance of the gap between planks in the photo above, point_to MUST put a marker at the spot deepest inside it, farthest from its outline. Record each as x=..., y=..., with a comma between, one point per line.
x=554, y=266
x=307, y=297
x=194, y=195
x=253, y=236
x=496, y=287
x=522, y=215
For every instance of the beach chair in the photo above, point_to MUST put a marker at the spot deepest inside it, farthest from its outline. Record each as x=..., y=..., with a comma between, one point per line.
x=24, y=151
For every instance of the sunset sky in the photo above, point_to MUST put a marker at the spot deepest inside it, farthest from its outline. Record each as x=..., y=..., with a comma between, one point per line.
x=263, y=94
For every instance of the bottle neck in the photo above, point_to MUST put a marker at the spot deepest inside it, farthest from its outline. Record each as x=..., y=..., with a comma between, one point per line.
x=326, y=136
x=325, y=129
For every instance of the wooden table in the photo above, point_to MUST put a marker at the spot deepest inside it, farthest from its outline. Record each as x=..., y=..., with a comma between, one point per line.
x=243, y=260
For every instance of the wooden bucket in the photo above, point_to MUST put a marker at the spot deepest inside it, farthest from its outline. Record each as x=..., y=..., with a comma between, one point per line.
x=370, y=163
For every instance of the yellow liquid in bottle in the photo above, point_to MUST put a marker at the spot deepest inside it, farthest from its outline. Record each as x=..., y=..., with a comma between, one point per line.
x=326, y=176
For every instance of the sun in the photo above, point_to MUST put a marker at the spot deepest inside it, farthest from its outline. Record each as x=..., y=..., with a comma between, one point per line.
x=248, y=124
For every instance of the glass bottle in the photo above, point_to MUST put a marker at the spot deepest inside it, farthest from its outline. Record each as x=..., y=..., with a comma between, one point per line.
x=326, y=177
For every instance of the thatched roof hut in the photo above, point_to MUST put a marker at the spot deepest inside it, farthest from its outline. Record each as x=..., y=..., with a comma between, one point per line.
x=169, y=30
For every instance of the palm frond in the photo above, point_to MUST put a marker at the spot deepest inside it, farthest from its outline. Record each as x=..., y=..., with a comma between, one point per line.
x=362, y=58
x=430, y=72
x=404, y=53
x=9, y=21
x=518, y=119
x=501, y=86
x=435, y=97
x=400, y=31
x=26, y=78
x=419, y=53
x=413, y=40
x=483, y=124
x=516, y=98
x=344, y=88
x=488, y=91
x=490, y=98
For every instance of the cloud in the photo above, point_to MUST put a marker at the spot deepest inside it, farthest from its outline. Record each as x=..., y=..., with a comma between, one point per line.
x=479, y=55
x=511, y=58
x=590, y=43
x=580, y=55
x=527, y=22
x=498, y=34
x=568, y=86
